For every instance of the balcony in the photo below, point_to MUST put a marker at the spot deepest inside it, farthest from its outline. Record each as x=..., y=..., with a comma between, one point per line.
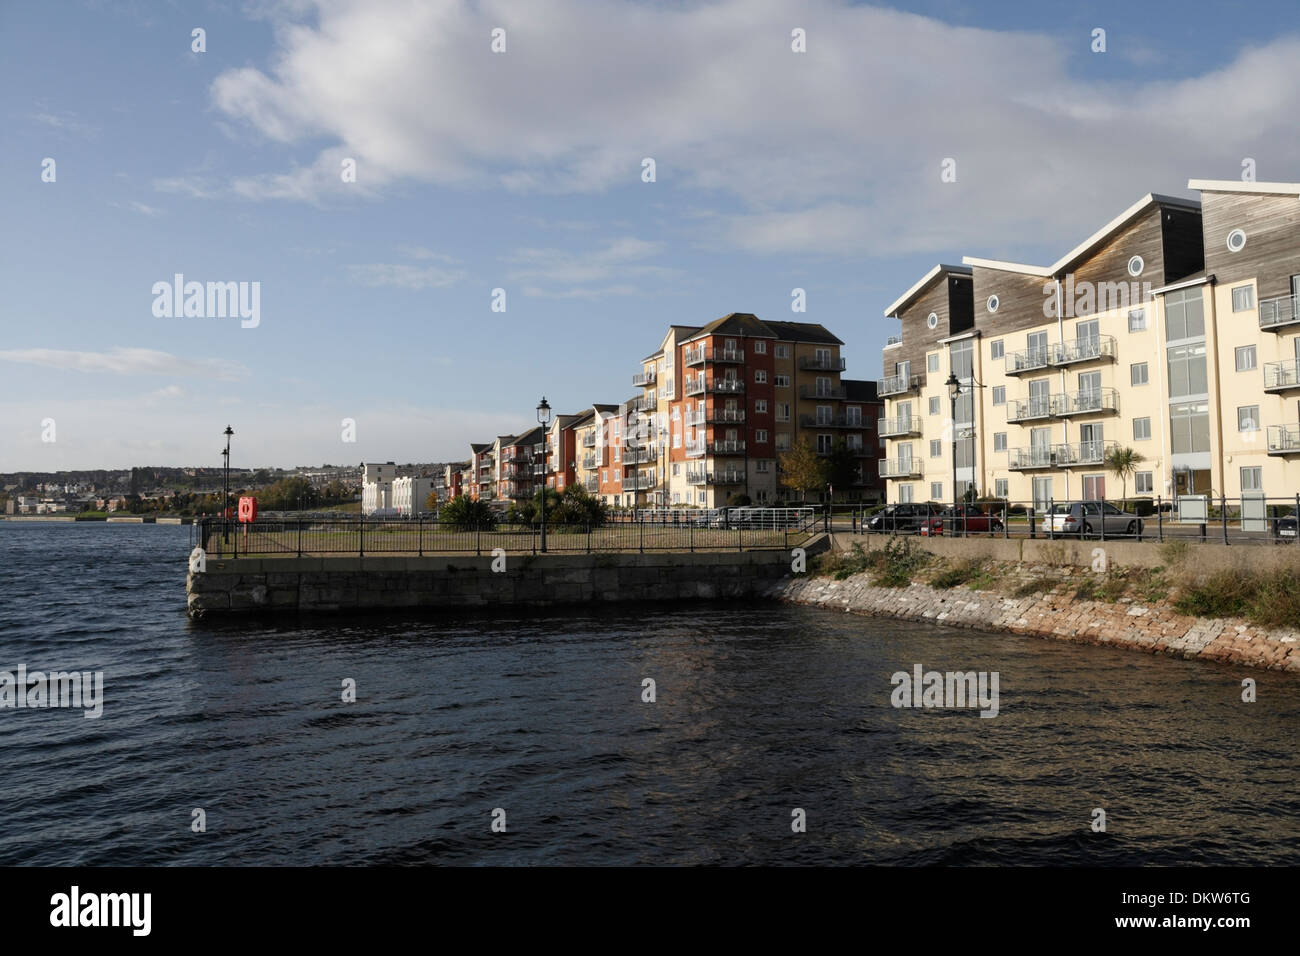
x=724, y=416
x=834, y=421
x=640, y=456
x=898, y=385
x=821, y=363
x=899, y=427
x=822, y=392
x=696, y=449
x=589, y=462
x=1086, y=453
x=727, y=386
x=592, y=484
x=900, y=468
x=724, y=447
x=1035, y=408
x=643, y=379
x=640, y=483
x=1281, y=376
x=715, y=477
x=589, y=440
x=694, y=386
x=693, y=418
x=1092, y=349
x=1100, y=401
x=1284, y=439
x=1029, y=360
x=1280, y=312
x=701, y=355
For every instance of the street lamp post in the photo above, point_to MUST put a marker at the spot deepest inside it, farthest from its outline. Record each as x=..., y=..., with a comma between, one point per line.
x=225, y=489
x=954, y=390
x=544, y=419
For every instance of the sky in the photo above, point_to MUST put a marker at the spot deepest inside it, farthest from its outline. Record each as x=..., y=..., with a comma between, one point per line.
x=523, y=170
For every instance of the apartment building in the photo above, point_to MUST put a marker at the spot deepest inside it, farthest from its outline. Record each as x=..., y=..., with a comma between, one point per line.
x=1165, y=332
x=1246, y=442
x=377, y=487
x=480, y=482
x=519, y=468
x=410, y=495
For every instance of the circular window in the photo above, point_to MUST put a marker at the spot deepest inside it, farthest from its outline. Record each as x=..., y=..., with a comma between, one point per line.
x=992, y=304
x=1236, y=240
x=1136, y=265
x=932, y=320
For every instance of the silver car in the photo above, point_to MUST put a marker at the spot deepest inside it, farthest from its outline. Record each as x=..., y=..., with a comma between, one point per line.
x=1086, y=518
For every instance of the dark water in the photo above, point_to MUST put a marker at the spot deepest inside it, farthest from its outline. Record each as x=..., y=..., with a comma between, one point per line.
x=760, y=709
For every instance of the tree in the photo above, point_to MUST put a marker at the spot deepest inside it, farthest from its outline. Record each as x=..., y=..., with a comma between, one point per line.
x=431, y=502
x=803, y=470
x=465, y=514
x=1122, y=463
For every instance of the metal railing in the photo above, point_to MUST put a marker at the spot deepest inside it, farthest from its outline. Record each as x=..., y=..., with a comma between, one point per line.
x=699, y=355
x=898, y=385
x=734, y=529
x=1026, y=360
x=891, y=427
x=1086, y=349
x=1248, y=518
x=1065, y=455
x=1087, y=402
x=1035, y=407
x=830, y=394
x=813, y=363
x=829, y=421
x=1279, y=311
x=900, y=468
x=1281, y=376
x=1284, y=439
x=643, y=379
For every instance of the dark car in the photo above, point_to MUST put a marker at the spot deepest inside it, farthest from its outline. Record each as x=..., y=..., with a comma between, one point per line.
x=902, y=518
x=1285, y=527
x=970, y=520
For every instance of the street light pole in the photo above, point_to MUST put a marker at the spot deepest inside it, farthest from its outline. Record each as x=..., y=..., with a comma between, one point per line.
x=225, y=493
x=954, y=389
x=544, y=419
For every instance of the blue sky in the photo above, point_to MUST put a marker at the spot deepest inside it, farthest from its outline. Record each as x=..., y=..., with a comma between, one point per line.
x=522, y=170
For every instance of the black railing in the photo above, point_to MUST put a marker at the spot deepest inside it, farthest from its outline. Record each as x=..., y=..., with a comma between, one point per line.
x=735, y=530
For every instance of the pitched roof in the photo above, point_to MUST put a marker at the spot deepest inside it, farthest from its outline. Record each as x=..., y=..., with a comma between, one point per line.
x=910, y=296
x=1041, y=271
x=1236, y=186
x=802, y=332
x=737, y=323
x=1102, y=235
x=477, y=447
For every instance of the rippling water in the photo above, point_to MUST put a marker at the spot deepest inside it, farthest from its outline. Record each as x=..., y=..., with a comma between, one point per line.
x=760, y=709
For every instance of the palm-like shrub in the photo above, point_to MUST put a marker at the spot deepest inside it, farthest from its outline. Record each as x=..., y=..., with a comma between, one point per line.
x=464, y=513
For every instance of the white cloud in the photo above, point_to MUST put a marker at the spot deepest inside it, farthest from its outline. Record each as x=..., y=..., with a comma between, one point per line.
x=403, y=276
x=836, y=150
x=127, y=361
x=589, y=274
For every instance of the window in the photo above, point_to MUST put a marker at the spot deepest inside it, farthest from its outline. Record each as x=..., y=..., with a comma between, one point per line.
x=999, y=441
x=1143, y=483
x=782, y=441
x=823, y=414
x=604, y=475
x=936, y=491
x=932, y=320
x=934, y=405
x=1138, y=373
x=1187, y=371
x=1236, y=240
x=995, y=349
x=760, y=436
x=905, y=494
x=1184, y=315
x=936, y=448
x=1142, y=429
x=999, y=487
x=932, y=362
x=1247, y=418
x=999, y=394
x=1245, y=358
x=1136, y=265
x=677, y=468
x=1243, y=298
x=782, y=411
x=760, y=347
x=762, y=465
x=1137, y=320
x=992, y=303
x=760, y=406
x=677, y=413
x=677, y=439
x=853, y=415
x=1252, y=479
x=824, y=444
x=1189, y=428
x=760, y=376
x=783, y=351
x=782, y=381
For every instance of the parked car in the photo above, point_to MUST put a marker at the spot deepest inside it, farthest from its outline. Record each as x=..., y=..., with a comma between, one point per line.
x=903, y=518
x=1086, y=518
x=1285, y=526
x=969, y=518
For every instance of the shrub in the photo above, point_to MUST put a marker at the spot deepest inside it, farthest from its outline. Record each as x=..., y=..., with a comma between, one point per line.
x=739, y=500
x=961, y=572
x=1041, y=584
x=464, y=514
x=896, y=564
x=1174, y=553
